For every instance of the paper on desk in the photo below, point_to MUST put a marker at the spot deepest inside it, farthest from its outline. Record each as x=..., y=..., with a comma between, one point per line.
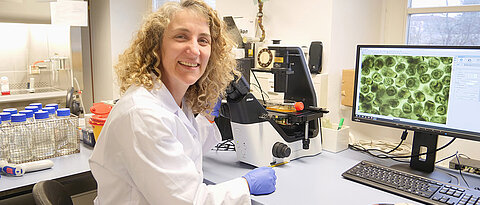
x=326, y=123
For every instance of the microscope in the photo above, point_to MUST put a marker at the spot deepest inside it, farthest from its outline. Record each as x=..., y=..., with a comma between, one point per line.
x=264, y=136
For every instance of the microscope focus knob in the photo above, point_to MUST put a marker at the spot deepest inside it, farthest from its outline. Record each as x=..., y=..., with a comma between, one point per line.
x=281, y=150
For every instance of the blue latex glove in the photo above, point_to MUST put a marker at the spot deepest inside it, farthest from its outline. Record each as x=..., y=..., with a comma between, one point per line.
x=261, y=180
x=216, y=108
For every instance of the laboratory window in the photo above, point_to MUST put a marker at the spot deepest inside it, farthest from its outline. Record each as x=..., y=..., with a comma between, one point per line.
x=448, y=22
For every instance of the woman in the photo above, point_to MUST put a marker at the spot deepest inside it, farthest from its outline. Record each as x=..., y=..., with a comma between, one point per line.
x=150, y=149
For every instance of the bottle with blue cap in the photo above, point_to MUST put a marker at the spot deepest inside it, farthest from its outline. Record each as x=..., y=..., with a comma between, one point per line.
x=11, y=110
x=32, y=108
x=43, y=141
x=38, y=105
x=52, y=105
x=51, y=112
x=20, y=140
x=29, y=114
x=66, y=132
x=5, y=116
x=4, y=137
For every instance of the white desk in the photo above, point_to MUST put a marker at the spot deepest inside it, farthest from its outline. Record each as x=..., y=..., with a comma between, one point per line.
x=310, y=180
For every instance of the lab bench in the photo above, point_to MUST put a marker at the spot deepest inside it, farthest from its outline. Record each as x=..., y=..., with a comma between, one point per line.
x=308, y=180
x=312, y=180
x=73, y=171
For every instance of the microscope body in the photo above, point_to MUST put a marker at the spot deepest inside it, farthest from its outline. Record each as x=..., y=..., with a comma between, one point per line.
x=266, y=137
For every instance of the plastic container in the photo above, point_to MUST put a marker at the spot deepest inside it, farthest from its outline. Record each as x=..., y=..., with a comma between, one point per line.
x=101, y=111
x=97, y=122
x=334, y=139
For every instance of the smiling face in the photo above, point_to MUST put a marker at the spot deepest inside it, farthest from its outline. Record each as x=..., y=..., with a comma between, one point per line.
x=185, y=51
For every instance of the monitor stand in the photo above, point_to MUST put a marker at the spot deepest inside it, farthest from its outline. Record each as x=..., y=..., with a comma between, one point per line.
x=424, y=165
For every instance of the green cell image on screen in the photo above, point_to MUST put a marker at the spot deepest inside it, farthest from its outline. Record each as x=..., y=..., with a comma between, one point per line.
x=411, y=87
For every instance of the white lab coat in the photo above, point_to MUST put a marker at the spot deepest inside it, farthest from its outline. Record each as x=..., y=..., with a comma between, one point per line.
x=150, y=152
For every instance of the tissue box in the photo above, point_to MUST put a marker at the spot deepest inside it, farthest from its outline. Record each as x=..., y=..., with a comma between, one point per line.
x=334, y=140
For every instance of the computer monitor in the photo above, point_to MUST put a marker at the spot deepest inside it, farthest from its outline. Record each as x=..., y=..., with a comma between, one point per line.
x=432, y=90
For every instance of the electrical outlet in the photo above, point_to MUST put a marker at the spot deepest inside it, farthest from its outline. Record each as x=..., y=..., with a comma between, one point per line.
x=34, y=70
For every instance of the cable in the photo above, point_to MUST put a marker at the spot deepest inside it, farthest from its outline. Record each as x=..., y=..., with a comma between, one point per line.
x=260, y=86
x=453, y=155
x=385, y=156
x=80, y=96
x=226, y=145
x=460, y=169
x=403, y=137
x=417, y=155
x=259, y=90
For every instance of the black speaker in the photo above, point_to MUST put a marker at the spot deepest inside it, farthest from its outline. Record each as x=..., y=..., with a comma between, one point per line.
x=315, y=57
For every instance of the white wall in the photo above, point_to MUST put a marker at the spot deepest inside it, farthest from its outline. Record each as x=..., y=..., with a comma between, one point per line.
x=113, y=25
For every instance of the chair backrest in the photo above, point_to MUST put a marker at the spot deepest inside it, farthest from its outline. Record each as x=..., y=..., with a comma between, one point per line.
x=51, y=192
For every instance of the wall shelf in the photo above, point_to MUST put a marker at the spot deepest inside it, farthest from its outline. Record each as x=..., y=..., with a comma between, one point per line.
x=40, y=93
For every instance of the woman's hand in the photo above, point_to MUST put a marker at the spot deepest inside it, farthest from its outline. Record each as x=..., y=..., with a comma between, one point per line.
x=215, y=111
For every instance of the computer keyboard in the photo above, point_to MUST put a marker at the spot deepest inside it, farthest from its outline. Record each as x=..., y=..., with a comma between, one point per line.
x=411, y=186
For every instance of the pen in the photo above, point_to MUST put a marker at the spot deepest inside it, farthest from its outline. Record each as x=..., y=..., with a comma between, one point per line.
x=282, y=163
x=340, y=124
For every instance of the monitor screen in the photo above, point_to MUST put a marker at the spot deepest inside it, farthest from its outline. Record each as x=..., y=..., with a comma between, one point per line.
x=433, y=89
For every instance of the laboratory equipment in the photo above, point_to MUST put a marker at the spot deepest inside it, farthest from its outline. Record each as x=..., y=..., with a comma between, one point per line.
x=412, y=186
x=11, y=110
x=20, y=169
x=32, y=108
x=431, y=90
x=44, y=141
x=101, y=111
x=54, y=105
x=66, y=136
x=263, y=136
x=20, y=140
x=6, y=118
x=28, y=114
x=38, y=105
x=50, y=111
x=4, y=148
x=5, y=86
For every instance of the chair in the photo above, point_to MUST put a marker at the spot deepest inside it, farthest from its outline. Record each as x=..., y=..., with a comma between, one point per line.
x=50, y=192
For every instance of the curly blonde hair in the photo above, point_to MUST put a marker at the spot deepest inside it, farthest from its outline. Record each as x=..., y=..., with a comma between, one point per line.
x=140, y=63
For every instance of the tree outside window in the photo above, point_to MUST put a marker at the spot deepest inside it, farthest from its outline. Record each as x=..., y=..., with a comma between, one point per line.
x=449, y=22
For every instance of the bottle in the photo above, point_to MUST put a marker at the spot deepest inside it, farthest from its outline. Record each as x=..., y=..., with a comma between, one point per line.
x=52, y=105
x=6, y=117
x=11, y=110
x=66, y=138
x=29, y=114
x=38, y=105
x=20, y=140
x=43, y=140
x=51, y=112
x=4, y=137
x=4, y=85
x=32, y=108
